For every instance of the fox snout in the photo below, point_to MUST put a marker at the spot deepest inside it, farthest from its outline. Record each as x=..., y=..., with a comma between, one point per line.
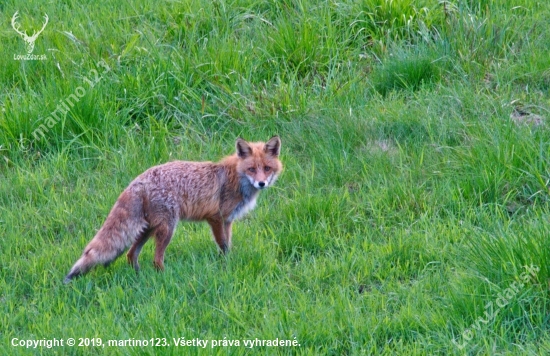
x=266, y=182
x=262, y=182
x=259, y=184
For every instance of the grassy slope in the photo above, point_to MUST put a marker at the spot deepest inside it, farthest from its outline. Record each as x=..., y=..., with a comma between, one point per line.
x=410, y=199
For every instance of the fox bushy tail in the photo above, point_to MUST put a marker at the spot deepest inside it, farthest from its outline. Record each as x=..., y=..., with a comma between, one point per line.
x=124, y=225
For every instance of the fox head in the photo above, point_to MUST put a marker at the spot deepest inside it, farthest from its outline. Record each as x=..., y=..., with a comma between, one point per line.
x=259, y=162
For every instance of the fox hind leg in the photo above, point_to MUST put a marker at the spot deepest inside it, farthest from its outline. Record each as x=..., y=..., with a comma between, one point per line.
x=163, y=234
x=134, y=251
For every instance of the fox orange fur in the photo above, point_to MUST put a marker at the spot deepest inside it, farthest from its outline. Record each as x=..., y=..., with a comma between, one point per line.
x=157, y=199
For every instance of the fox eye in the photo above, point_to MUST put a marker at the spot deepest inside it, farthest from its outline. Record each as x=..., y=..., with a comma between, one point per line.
x=267, y=168
x=252, y=170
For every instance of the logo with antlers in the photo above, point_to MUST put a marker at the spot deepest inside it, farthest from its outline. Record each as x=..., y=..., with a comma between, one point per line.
x=29, y=40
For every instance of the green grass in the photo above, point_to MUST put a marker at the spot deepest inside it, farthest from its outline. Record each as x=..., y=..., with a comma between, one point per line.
x=410, y=199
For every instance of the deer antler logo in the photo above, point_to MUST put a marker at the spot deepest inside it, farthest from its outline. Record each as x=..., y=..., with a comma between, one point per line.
x=29, y=40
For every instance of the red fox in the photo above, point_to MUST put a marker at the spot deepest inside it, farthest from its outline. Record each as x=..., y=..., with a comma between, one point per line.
x=157, y=199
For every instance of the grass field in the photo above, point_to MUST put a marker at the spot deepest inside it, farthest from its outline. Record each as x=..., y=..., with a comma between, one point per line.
x=411, y=218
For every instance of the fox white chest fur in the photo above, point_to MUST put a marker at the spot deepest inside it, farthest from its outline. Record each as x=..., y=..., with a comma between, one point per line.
x=248, y=202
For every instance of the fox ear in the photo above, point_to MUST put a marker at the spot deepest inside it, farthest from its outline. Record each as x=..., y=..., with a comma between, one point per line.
x=243, y=148
x=273, y=146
